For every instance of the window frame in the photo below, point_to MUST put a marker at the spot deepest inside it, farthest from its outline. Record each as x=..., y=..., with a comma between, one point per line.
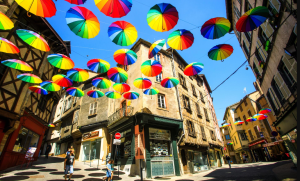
x=159, y=77
x=186, y=99
x=159, y=99
x=93, y=108
x=182, y=81
x=194, y=90
x=203, y=133
x=191, y=128
x=206, y=115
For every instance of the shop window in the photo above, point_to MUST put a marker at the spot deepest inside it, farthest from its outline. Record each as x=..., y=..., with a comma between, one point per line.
x=161, y=101
x=227, y=137
x=182, y=81
x=93, y=108
x=125, y=147
x=194, y=91
x=201, y=97
x=250, y=135
x=186, y=102
x=191, y=128
x=26, y=139
x=243, y=136
x=159, y=77
x=91, y=149
x=203, y=133
x=212, y=134
x=256, y=132
x=76, y=115
x=160, y=142
x=206, y=115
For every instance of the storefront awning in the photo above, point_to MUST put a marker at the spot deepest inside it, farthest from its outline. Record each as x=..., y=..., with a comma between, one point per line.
x=94, y=126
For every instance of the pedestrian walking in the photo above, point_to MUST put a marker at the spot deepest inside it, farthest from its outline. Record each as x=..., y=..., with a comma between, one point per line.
x=112, y=170
x=246, y=157
x=108, y=171
x=48, y=150
x=69, y=165
x=228, y=160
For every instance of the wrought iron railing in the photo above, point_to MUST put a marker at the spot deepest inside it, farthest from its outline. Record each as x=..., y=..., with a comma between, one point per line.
x=120, y=113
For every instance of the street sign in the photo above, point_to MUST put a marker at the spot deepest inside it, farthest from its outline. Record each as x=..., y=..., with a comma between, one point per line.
x=117, y=142
x=118, y=136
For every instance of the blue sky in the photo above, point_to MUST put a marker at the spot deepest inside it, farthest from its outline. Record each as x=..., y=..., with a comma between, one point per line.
x=191, y=13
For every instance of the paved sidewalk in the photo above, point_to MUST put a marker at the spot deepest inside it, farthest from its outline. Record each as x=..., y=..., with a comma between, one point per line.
x=52, y=170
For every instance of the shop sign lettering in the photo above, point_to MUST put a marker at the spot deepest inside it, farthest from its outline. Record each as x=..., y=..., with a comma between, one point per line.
x=90, y=135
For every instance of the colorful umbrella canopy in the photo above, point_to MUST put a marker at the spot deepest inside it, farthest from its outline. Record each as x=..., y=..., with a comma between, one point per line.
x=122, y=33
x=238, y=122
x=62, y=80
x=180, y=39
x=220, y=52
x=117, y=75
x=251, y=119
x=95, y=93
x=142, y=83
x=121, y=87
x=42, y=8
x=98, y=65
x=264, y=111
x=226, y=125
x=125, y=57
x=169, y=82
x=77, y=2
x=112, y=95
x=7, y=46
x=38, y=89
x=260, y=116
x=82, y=22
x=252, y=19
x=101, y=83
x=151, y=91
x=78, y=75
x=114, y=8
x=131, y=95
x=33, y=39
x=60, y=61
x=151, y=68
x=74, y=91
x=162, y=17
x=5, y=22
x=17, y=64
x=229, y=143
x=215, y=28
x=51, y=125
x=50, y=86
x=30, y=78
x=193, y=69
x=156, y=47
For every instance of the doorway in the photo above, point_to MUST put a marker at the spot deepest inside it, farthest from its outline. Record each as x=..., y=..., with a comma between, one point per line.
x=183, y=160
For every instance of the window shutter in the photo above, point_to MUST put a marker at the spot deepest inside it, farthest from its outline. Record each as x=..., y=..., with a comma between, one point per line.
x=183, y=100
x=274, y=98
x=275, y=4
x=282, y=86
x=257, y=65
x=291, y=65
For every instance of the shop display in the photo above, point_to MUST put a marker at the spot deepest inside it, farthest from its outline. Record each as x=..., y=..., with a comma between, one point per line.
x=127, y=148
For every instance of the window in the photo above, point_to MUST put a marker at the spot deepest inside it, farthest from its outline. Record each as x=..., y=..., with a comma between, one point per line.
x=259, y=57
x=125, y=67
x=262, y=36
x=248, y=36
x=277, y=91
x=244, y=117
x=247, y=6
x=68, y=103
x=203, y=133
x=206, y=115
x=199, y=82
x=159, y=77
x=249, y=113
x=25, y=140
x=76, y=115
x=182, y=81
x=271, y=101
x=237, y=12
x=93, y=108
x=213, y=137
x=191, y=128
x=256, y=132
x=198, y=109
x=246, y=49
x=161, y=101
x=243, y=136
x=250, y=135
x=227, y=137
x=2, y=69
x=241, y=108
x=186, y=102
x=287, y=77
x=42, y=103
x=235, y=140
x=245, y=102
x=194, y=91
x=201, y=97
x=157, y=58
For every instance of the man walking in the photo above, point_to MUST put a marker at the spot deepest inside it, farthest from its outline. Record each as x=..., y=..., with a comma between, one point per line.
x=69, y=164
x=48, y=150
x=228, y=160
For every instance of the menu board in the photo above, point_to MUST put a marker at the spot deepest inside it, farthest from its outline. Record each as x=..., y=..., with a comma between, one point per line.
x=127, y=148
x=30, y=152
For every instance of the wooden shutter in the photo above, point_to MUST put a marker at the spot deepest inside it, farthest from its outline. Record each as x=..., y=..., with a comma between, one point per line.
x=282, y=86
x=291, y=65
x=274, y=99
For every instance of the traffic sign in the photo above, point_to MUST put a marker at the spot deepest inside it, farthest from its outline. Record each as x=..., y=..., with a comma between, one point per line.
x=118, y=135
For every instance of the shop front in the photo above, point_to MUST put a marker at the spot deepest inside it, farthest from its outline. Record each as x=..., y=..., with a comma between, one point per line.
x=290, y=141
x=259, y=152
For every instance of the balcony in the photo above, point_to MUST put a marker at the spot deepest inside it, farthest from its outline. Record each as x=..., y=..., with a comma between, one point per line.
x=122, y=113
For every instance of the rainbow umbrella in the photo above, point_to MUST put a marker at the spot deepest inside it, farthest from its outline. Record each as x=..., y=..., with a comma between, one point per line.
x=62, y=80
x=169, y=82
x=60, y=61
x=101, y=83
x=117, y=75
x=51, y=125
x=131, y=95
x=82, y=22
x=252, y=19
x=95, y=93
x=78, y=75
x=42, y=8
x=33, y=39
x=7, y=46
x=114, y=8
x=193, y=69
x=151, y=68
x=264, y=111
x=180, y=39
x=238, y=122
x=98, y=65
x=5, y=22
x=38, y=89
x=151, y=91
x=50, y=86
x=162, y=17
x=74, y=91
x=77, y=2
x=156, y=47
x=229, y=143
x=226, y=125
x=121, y=87
x=215, y=28
x=220, y=52
x=125, y=57
x=122, y=33
x=142, y=83
x=112, y=95
x=30, y=78
x=251, y=119
x=260, y=116
x=17, y=64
